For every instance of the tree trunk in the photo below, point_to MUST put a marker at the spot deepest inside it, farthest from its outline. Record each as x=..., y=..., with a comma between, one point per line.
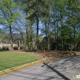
x=46, y=33
x=62, y=32
x=56, y=37
x=37, y=39
x=31, y=37
x=70, y=42
x=57, y=40
x=22, y=38
x=74, y=40
x=11, y=38
x=18, y=44
x=48, y=40
x=26, y=42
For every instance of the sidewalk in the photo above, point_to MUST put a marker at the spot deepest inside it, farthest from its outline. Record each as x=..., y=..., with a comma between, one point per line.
x=58, y=69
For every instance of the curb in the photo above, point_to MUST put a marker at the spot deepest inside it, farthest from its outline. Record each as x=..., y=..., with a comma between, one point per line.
x=24, y=65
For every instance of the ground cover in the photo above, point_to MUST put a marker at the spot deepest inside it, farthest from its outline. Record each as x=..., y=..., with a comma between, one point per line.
x=10, y=59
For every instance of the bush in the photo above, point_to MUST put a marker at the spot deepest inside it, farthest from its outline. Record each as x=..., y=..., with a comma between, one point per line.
x=4, y=48
x=0, y=49
x=21, y=48
x=15, y=48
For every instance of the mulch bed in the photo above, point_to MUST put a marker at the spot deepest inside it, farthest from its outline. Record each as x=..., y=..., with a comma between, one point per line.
x=57, y=54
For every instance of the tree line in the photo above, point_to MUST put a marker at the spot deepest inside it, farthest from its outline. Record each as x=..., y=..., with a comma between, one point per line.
x=42, y=24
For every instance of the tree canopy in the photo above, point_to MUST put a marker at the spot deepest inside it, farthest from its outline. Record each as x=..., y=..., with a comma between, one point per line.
x=43, y=24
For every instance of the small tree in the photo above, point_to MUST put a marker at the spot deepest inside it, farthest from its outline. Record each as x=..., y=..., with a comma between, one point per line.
x=10, y=14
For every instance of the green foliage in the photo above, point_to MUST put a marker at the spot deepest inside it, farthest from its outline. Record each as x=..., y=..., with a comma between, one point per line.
x=21, y=48
x=60, y=21
x=15, y=48
x=4, y=48
x=9, y=12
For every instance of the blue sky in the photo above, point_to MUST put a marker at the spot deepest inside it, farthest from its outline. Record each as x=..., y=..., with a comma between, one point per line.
x=1, y=26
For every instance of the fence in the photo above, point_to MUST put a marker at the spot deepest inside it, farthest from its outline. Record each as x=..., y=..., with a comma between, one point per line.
x=7, y=45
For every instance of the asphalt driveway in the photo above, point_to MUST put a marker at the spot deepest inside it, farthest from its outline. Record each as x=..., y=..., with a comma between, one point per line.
x=57, y=69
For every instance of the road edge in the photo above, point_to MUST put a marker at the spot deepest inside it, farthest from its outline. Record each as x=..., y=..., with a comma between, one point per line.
x=24, y=65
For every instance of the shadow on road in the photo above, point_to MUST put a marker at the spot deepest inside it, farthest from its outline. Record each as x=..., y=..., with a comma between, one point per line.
x=60, y=74
x=68, y=65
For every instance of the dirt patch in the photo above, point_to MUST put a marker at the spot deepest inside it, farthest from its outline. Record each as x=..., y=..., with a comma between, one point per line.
x=56, y=54
x=43, y=54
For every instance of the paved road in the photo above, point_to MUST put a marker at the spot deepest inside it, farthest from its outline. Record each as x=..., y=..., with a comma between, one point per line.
x=58, y=69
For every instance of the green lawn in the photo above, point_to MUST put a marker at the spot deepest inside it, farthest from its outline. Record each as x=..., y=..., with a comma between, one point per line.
x=12, y=59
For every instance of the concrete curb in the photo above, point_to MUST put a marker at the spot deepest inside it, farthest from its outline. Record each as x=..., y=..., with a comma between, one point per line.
x=24, y=65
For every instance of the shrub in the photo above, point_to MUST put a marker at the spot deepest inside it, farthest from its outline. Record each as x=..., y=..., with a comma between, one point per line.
x=4, y=48
x=21, y=48
x=0, y=49
x=15, y=48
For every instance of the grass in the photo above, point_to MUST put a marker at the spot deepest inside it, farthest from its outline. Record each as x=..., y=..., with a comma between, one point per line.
x=12, y=59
